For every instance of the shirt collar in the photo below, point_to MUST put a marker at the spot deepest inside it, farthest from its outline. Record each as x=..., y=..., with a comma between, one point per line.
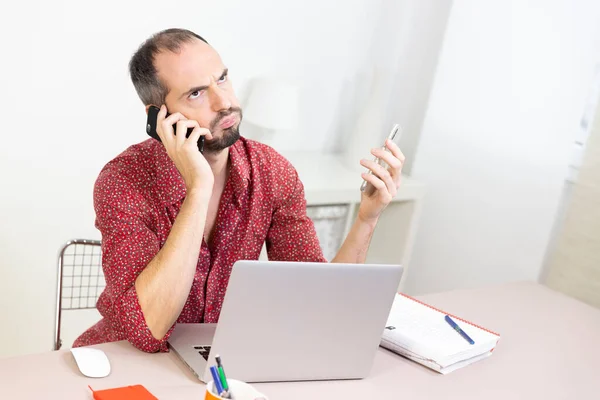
x=170, y=186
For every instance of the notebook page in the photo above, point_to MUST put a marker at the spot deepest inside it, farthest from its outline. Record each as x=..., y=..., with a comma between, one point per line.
x=424, y=331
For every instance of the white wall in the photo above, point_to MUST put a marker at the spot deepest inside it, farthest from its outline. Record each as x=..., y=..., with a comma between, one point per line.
x=420, y=28
x=506, y=103
x=68, y=107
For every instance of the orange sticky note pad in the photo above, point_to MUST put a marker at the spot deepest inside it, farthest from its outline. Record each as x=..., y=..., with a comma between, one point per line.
x=136, y=392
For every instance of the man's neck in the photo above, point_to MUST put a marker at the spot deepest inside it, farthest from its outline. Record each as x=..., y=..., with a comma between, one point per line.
x=218, y=163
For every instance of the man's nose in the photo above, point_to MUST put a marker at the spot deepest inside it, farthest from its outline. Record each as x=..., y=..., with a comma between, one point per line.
x=219, y=100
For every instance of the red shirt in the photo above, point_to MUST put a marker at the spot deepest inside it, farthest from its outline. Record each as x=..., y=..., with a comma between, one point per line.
x=137, y=197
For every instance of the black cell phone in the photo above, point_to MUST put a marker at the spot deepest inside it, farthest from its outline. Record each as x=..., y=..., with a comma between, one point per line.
x=151, y=127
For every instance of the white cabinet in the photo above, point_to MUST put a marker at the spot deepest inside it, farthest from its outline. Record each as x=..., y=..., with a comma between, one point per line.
x=330, y=223
x=333, y=197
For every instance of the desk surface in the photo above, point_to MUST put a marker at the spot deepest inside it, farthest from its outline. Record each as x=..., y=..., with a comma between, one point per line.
x=549, y=349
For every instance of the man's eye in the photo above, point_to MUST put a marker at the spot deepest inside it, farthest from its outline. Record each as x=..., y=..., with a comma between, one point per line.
x=223, y=79
x=195, y=94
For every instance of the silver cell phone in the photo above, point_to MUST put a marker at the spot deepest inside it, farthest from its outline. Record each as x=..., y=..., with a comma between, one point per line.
x=393, y=134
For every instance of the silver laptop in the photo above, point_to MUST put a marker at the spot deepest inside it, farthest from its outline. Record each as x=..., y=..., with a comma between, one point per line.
x=289, y=321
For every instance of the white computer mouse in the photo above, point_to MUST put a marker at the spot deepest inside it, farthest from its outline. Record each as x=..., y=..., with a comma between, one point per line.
x=91, y=362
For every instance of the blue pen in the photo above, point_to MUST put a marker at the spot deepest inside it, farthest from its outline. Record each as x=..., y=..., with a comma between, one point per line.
x=457, y=329
x=216, y=380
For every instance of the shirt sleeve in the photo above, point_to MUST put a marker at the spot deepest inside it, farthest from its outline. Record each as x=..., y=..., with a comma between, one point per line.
x=128, y=245
x=292, y=235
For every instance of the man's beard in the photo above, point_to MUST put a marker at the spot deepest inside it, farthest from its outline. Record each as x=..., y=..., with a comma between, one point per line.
x=228, y=137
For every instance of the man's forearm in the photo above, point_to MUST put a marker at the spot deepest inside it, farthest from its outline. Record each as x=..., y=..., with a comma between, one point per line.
x=164, y=285
x=355, y=247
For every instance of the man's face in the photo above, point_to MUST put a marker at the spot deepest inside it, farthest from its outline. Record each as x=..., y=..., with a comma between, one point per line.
x=199, y=88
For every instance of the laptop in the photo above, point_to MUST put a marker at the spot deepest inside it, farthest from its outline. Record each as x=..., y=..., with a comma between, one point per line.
x=291, y=321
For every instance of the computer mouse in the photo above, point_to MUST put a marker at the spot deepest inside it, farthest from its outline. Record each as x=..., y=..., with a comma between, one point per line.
x=91, y=362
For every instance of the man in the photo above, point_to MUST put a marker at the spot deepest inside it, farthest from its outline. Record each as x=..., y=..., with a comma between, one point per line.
x=174, y=220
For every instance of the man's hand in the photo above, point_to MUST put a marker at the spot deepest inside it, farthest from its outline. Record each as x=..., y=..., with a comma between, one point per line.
x=190, y=163
x=383, y=183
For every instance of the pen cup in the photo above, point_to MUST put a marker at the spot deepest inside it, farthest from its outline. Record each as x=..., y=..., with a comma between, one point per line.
x=240, y=391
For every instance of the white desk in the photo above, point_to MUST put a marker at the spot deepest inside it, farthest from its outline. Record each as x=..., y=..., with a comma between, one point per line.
x=549, y=350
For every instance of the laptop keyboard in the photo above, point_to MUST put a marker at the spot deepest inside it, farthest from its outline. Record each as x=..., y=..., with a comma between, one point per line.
x=204, y=351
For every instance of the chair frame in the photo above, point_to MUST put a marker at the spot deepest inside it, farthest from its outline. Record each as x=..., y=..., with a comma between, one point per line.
x=59, y=285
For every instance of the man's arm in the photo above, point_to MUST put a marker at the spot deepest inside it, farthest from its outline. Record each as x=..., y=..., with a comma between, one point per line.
x=355, y=247
x=384, y=186
x=164, y=285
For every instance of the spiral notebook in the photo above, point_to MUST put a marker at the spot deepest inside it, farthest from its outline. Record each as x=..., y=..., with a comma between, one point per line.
x=419, y=332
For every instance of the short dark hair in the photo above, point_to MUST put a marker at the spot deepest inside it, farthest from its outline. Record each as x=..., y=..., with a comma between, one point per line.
x=141, y=66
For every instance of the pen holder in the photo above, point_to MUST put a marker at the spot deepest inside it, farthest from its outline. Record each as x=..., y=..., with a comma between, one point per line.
x=239, y=390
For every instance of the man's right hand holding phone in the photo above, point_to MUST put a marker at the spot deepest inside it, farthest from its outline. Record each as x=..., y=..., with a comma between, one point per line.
x=190, y=163
x=164, y=284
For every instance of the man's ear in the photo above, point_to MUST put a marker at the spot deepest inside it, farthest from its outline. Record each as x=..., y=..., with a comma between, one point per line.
x=147, y=108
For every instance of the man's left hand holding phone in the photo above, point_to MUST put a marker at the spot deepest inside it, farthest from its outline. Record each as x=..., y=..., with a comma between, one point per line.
x=184, y=142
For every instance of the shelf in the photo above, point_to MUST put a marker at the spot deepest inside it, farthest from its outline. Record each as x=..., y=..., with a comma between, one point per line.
x=328, y=181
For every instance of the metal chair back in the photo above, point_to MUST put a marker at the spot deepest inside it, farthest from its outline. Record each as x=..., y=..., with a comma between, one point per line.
x=80, y=279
